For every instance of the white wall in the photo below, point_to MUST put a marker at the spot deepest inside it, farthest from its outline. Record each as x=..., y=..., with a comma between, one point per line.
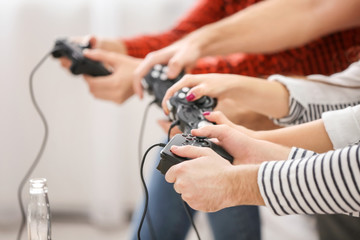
x=91, y=157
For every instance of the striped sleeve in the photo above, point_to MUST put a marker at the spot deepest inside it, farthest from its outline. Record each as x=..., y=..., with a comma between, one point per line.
x=299, y=113
x=326, y=183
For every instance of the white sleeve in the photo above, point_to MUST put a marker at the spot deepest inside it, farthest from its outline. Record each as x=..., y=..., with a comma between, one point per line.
x=326, y=183
x=308, y=99
x=343, y=126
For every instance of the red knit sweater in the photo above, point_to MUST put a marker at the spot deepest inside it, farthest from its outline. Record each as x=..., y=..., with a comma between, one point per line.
x=327, y=55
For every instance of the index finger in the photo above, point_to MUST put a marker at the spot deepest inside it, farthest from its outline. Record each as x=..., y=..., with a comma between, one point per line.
x=187, y=81
x=145, y=66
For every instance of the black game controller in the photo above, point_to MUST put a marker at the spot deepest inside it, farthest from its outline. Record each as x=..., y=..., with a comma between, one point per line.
x=169, y=159
x=80, y=64
x=157, y=83
x=189, y=114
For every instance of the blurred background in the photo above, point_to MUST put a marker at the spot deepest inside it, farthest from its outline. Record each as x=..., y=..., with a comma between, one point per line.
x=90, y=159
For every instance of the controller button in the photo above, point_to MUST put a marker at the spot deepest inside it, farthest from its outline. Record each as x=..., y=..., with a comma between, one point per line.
x=185, y=89
x=204, y=123
x=181, y=95
x=157, y=67
x=165, y=69
x=155, y=74
x=205, y=144
x=201, y=138
x=163, y=76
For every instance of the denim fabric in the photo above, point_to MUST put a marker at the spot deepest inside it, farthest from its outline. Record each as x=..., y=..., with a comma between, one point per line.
x=170, y=221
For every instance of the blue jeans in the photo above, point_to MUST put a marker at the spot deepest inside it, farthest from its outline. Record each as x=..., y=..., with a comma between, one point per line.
x=170, y=221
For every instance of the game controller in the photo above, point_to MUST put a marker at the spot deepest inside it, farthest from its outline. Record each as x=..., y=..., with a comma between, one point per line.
x=189, y=114
x=79, y=63
x=169, y=159
x=157, y=83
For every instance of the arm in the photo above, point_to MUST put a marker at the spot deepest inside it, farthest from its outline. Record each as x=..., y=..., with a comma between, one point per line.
x=312, y=135
x=204, y=12
x=336, y=129
x=252, y=31
x=321, y=184
x=247, y=92
x=305, y=20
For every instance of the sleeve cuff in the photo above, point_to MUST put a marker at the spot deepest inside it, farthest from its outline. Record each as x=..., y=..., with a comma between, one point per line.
x=342, y=126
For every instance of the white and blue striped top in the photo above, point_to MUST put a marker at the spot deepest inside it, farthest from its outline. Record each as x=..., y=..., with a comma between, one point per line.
x=310, y=183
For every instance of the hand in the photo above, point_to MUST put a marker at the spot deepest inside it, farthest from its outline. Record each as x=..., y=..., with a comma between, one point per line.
x=182, y=54
x=244, y=149
x=220, y=86
x=108, y=44
x=118, y=86
x=219, y=118
x=210, y=183
x=203, y=181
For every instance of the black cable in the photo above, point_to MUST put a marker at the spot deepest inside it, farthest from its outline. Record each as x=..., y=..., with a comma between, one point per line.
x=41, y=151
x=142, y=130
x=187, y=210
x=144, y=185
x=173, y=124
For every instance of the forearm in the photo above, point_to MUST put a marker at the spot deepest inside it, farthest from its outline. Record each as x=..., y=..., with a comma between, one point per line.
x=264, y=97
x=275, y=25
x=204, y=12
x=312, y=136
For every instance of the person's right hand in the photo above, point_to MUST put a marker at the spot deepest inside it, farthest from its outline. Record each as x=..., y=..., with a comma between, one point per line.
x=180, y=55
x=244, y=149
x=118, y=86
x=108, y=44
x=220, y=86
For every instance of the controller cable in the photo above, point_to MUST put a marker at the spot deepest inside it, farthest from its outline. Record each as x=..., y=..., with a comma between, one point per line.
x=42, y=148
x=144, y=185
x=186, y=207
x=141, y=135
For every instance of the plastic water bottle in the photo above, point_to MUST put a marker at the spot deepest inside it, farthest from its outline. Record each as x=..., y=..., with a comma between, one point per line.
x=38, y=219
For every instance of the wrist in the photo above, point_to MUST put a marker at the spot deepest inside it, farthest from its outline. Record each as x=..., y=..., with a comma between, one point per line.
x=245, y=189
x=202, y=39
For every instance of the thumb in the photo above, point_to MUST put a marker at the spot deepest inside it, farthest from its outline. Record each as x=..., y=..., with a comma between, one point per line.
x=218, y=118
x=221, y=132
x=103, y=56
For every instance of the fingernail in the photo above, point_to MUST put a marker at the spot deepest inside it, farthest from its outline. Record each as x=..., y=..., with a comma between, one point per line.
x=174, y=147
x=206, y=113
x=190, y=97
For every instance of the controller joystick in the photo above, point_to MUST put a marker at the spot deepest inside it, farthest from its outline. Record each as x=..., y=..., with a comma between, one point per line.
x=169, y=159
x=157, y=83
x=79, y=63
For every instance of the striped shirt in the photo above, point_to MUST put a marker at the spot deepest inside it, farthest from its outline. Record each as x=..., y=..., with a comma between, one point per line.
x=310, y=183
